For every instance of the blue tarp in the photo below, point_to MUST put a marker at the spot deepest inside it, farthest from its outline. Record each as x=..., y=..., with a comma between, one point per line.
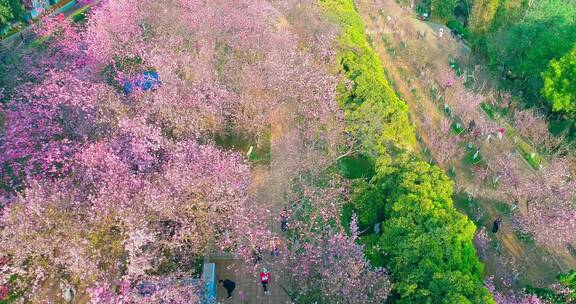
x=146, y=81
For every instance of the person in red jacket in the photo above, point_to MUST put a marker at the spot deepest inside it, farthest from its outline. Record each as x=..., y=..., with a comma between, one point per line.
x=265, y=279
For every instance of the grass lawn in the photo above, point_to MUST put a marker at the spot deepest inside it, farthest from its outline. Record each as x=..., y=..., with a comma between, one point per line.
x=473, y=156
x=240, y=144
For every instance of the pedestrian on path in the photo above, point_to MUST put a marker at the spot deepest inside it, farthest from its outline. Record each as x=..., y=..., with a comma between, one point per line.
x=496, y=225
x=257, y=255
x=284, y=219
x=275, y=244
x=501, y=132
x=229, y=285
x=265, y=278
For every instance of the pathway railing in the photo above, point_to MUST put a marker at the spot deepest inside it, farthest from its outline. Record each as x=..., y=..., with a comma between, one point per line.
x=209, y=279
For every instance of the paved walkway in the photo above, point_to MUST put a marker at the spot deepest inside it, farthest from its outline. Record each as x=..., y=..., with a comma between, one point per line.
x=248, y=287
x=269, y=183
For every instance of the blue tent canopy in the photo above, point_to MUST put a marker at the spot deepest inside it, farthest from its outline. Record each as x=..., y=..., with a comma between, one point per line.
x=146, y=81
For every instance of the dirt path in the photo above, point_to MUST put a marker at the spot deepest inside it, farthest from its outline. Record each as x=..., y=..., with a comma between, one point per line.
x=397, y=37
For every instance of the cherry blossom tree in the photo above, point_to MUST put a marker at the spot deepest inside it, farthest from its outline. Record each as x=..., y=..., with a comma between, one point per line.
x=128, y=212
x=445, y=145
x=158, y=290
x=550, y=195
x=106, y=188
x=481, y=241
x=320, y=255
x=510, y=297
x=192, y=51
x=535, y=129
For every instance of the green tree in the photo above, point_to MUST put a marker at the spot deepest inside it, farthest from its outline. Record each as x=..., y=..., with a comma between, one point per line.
x=443, y=10
x=482, y=15
x=425, y=242
x=560, y=83
x=509, y=12
x=18, y=10
x=5, y=12
x=523, y=51
x=375, y=115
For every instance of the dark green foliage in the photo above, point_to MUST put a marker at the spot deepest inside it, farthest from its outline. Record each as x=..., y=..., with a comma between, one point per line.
x=423, y=7
x=443, y=10
x=508, y=13
x=17, y=9
x=489, y=110
x=458, y=28
x=368, y=205
x=356, y=166
x=79, y=18
x=522, y=52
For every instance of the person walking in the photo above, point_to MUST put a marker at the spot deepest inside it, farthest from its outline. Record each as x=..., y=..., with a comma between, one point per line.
x=275, y=244
x=229, y=285
x=265, y=278
x=257, y=255
x=496, y=225
x=68, y=294
x=501, y=132
x=284, y=219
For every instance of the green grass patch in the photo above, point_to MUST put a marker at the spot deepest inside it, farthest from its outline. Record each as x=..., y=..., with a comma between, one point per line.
x=526, y=238
x=473, y=156
x=529, y=154
x=39, y=41
x=356, y=166
x=502, y=208
x=80, y=16
x=235, y=142
x=470, y=208
x=455, y=66
x=489, y=110
x=457, y=128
